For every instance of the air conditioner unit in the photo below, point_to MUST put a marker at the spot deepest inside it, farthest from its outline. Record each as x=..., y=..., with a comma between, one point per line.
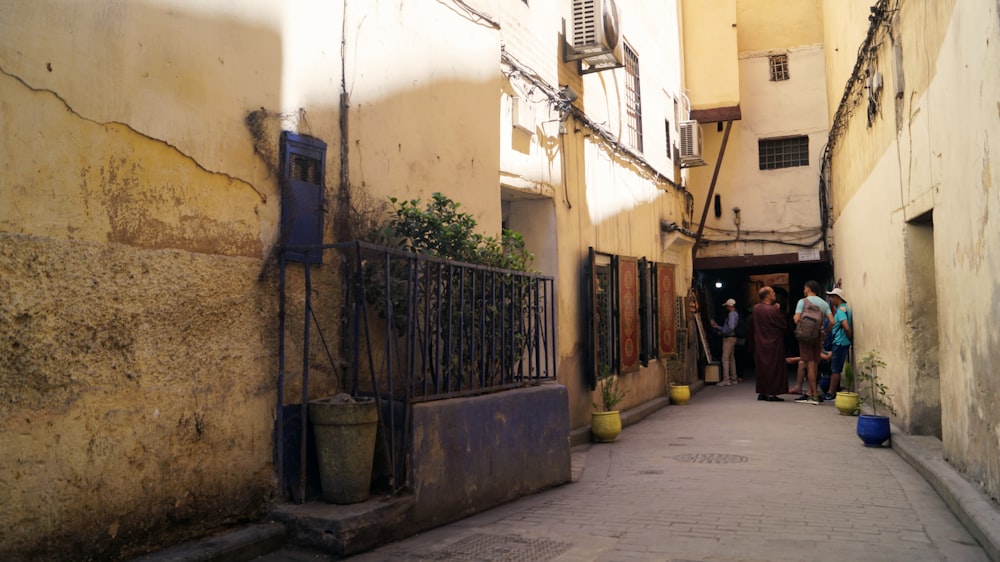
x=690, y=144
x=597, y=33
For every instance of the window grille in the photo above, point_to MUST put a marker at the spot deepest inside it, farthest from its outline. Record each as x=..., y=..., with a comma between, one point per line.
x=633, y=101
x=779, y=67
x=783, y=153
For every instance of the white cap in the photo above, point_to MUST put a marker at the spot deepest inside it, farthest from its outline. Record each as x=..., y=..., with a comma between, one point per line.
x=729, y=302
x=839, y=292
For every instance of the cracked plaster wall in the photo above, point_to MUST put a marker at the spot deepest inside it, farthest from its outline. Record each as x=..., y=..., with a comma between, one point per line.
x=935, y=161
x=137, y=305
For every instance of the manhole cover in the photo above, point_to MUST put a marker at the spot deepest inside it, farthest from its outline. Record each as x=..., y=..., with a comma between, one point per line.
x=500, y=547
x=710, y=458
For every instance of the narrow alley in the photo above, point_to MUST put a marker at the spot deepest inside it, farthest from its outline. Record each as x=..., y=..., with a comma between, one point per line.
x=723, y=478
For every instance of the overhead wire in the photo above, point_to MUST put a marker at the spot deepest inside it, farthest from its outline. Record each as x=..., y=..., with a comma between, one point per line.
x=565, y=107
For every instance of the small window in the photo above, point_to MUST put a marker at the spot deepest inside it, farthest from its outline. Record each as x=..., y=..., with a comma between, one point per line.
x=783, y=153
x=633, y=101
x=779, y=67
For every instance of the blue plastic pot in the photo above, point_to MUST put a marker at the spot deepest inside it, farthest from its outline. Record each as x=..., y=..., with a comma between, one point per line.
x=873, y=430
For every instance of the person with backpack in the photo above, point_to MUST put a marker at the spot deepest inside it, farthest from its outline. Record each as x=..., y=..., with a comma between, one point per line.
x=728, y=332
x=809, y=314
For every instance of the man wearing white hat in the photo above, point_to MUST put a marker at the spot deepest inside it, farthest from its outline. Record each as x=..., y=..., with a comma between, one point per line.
x=843, y=334
x=728, y=332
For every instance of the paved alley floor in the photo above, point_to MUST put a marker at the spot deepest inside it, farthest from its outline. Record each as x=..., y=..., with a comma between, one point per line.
x=724, y=478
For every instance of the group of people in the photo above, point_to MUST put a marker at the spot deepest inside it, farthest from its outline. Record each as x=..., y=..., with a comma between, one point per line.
x=769, y=326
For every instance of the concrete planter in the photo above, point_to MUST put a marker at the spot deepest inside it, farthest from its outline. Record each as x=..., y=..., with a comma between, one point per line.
x=345, y=430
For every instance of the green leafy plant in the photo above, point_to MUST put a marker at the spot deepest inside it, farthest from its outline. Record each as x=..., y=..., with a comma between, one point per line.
x=849, y=378
x=440, y=229
x=611, y=391
x=475, y=321
x=876, y=393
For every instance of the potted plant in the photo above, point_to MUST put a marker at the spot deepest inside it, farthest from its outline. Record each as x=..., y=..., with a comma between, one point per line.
x=607, y=424
x=344, y=427
x=680, y=393
x=847, y=400
x=873, y=429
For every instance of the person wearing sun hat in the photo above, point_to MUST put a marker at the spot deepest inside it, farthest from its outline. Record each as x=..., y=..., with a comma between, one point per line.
x=728, y=332
x=843, y=334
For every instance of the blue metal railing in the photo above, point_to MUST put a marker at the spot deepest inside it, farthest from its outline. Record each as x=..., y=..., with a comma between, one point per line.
x=412, y=328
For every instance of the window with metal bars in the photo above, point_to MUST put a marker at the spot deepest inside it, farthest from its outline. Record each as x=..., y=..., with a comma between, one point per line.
x=783, y=153
x=779, y=67
x=633, y=101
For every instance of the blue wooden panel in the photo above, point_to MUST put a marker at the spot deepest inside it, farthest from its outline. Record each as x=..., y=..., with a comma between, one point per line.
x=303, y=174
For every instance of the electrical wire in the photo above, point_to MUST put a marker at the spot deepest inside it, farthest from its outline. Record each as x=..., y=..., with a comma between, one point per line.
x=564, y=106
x=477, y=16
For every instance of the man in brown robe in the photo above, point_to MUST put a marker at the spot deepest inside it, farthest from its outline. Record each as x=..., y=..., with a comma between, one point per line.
x=769, y=326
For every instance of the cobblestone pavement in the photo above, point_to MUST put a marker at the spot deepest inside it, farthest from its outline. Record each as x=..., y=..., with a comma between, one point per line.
x=724, y=478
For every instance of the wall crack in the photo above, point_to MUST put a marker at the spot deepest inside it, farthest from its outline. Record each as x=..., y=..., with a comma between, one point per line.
x=193, y=160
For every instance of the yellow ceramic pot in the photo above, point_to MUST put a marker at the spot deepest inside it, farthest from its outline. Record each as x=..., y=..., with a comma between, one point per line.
x=847, y=403
x=680, y=394
x=605, y=426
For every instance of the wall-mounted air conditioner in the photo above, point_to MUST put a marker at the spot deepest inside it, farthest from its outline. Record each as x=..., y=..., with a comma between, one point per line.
x=690, y=144
x=596, y=36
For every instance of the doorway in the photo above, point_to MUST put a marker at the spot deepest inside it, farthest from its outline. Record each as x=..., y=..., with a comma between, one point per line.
x=922, y=327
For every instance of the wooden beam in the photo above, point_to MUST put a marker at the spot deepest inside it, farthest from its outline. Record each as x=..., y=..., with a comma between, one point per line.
x=711, y=187
x=716, y=114
x=736, y=262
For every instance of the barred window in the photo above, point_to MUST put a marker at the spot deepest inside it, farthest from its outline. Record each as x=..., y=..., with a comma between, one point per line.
x=633, y=102
x=783, y=153
x=779, y=67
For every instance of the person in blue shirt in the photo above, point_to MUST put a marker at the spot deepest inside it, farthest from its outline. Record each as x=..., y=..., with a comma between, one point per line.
x=843, y=334
x=728, y=332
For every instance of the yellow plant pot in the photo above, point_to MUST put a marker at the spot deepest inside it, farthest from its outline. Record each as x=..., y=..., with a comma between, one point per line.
x=605, y=426
x=680, y=394
x=847, y=403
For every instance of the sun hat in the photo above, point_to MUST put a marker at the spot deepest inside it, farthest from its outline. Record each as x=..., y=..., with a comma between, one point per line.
x=839, y=292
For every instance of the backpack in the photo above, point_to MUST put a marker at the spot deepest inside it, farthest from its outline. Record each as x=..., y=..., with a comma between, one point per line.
x=808, y=328
x=740, y=330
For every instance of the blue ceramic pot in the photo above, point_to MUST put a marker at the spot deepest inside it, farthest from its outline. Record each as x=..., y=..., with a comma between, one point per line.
x=873, y=430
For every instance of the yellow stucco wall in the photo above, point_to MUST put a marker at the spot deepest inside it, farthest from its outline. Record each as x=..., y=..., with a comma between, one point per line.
x=710, y=35
x=569, y=191
x=766, y=25
x=139, y=215
x=136, y=389
x=928, y=151
x=778, y=205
